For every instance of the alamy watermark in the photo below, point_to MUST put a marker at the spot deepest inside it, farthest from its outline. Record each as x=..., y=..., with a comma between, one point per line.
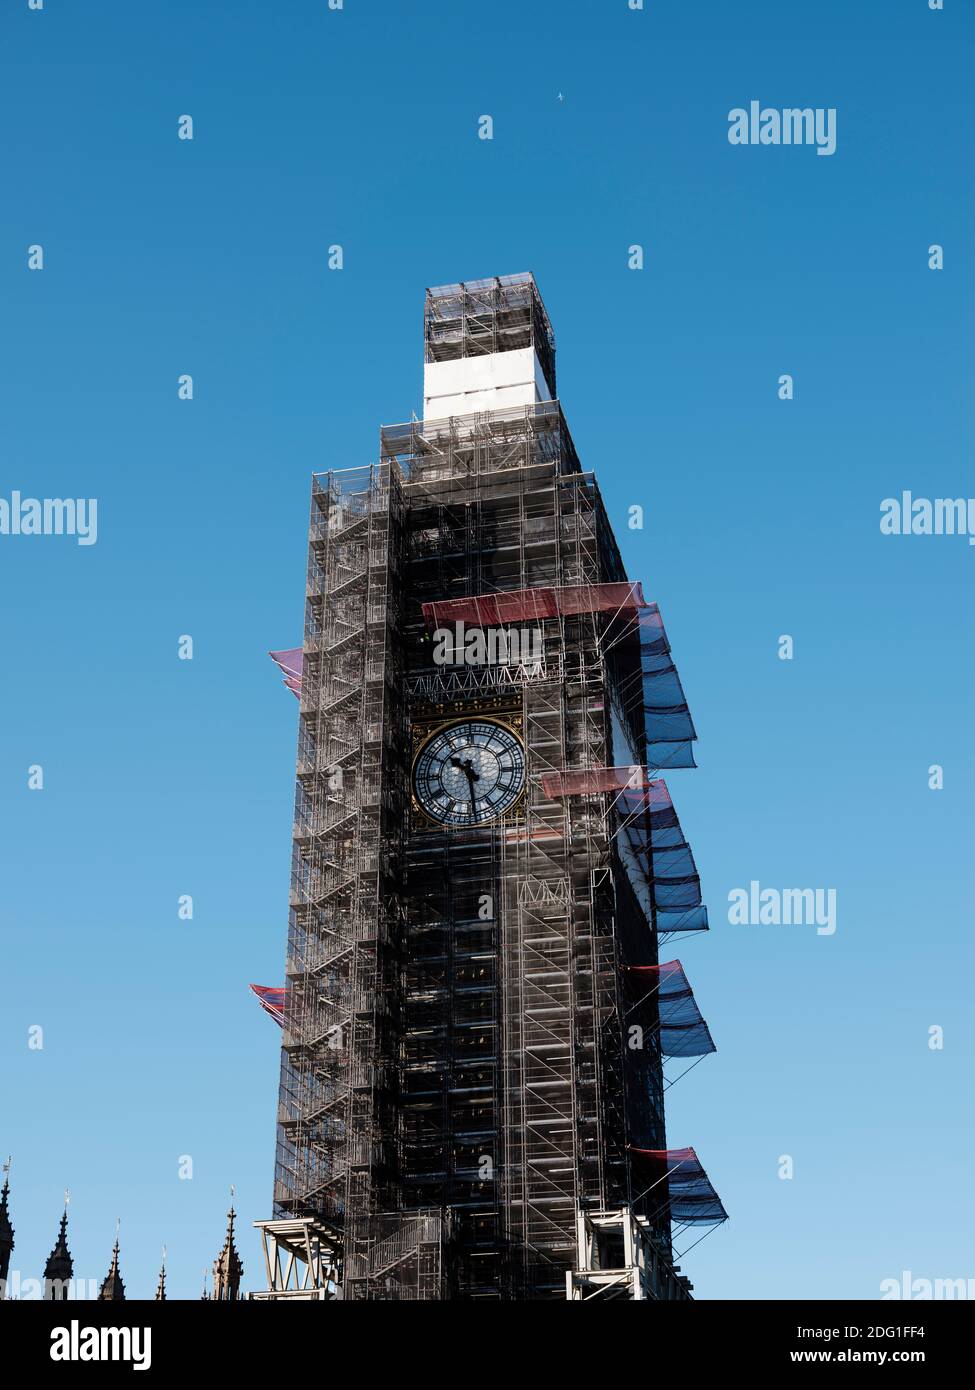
x=923, y=1290
x=756, y=906
x=76, y=1342
x=493, y=646
x=792, y=125
x=50, y=516
x=18, y=1287
x=908, y=515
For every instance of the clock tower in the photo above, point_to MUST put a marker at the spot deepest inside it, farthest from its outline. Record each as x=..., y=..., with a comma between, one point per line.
x=485, y=862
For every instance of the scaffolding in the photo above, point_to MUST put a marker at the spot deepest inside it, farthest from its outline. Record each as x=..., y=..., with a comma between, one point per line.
x=342, y=966
x=301, y=1261
x=621, y=1259
x=457, y=1092
x=481, y=317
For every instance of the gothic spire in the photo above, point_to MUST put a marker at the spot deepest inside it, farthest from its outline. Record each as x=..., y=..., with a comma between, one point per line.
x=112, y=1289
x=227, y=1268
x=6, y=1230
x=60, y=1266
x=161, y=1286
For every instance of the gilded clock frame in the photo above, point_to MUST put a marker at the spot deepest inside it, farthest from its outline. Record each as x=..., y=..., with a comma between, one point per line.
x=421, y=733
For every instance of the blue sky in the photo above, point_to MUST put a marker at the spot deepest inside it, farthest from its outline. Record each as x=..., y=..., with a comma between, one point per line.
x=164, y=777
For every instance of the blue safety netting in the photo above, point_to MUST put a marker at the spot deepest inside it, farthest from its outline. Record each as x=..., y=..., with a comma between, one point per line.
x=653, y=839
x=669, y=727
x=677, y=1186
x=683, y=1031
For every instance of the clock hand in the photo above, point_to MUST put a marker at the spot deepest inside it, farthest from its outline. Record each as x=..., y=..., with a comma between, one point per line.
x=472, y=777
x=467, y=767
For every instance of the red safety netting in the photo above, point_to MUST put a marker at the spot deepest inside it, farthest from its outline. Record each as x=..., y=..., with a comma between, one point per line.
x=688, y=1197
x=683, y=1031
x=669, y=727
x=289, y=663
x=521, y=605
x=632, y=781
x=534, y=834
x=271, y=999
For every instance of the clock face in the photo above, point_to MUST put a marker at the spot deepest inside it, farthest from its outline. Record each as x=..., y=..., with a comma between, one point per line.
x=469, y=773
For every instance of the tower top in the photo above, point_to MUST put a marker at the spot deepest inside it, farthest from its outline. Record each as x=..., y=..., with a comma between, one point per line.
x=60, y=1266
x=113, y=1289
x=4, y=1194
x=488, y=345
x=6, y=1229
x=228, y=1268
